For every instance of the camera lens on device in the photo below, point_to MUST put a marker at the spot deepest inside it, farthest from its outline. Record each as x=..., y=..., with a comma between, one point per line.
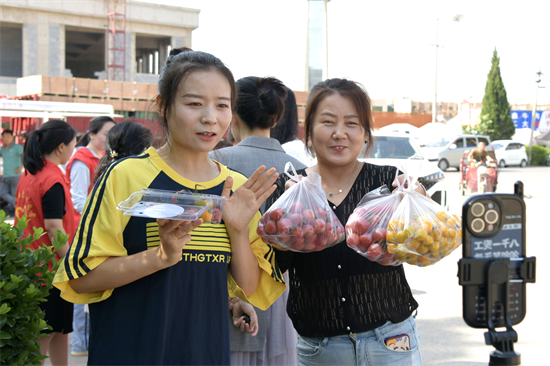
x=491, y=216
x=478, y=225
x=477, y=209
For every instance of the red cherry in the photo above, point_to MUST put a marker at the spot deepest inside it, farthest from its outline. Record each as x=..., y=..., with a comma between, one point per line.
x=296, y=219
x=277, y=214
x=361, y=226
x=298, y=232
x=284, y=225
x=379, y=235
x=271, y=228
x=366, y=239
x=319, y=225
x=308, y=230
x=374, y=251
x=309, y=215
x=353, y=240
x=261, y=230
x=296, y=207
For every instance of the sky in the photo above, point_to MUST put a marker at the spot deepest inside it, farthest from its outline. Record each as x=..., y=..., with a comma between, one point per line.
x=388, y=46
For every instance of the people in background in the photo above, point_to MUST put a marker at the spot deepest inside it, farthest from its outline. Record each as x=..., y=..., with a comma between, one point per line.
x=480, y=154
x=125, y=139
x=80, y=170
x=12, y=154
x=44, y=198
x=287, y=130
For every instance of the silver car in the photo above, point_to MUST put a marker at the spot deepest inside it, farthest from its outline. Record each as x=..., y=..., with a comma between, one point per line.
x=448, y=151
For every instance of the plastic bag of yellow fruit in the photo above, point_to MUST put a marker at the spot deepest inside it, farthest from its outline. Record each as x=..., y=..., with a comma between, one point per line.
x=421, y=232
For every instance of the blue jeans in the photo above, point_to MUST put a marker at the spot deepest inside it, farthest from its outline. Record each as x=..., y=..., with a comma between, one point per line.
x=8, y=188
x=362, y=349
x=81, y=329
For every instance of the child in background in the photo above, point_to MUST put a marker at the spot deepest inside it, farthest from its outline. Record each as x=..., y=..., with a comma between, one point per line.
x=44, y=198
x=157, y=288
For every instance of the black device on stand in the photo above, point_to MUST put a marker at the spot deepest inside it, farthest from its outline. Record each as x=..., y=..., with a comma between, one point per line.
x=494, y=269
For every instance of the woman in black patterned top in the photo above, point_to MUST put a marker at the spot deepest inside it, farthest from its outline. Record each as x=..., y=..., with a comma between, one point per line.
x=347, y=310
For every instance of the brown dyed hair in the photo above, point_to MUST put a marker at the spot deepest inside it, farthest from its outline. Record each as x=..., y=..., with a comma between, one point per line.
x=179, y=64
x=347, y=89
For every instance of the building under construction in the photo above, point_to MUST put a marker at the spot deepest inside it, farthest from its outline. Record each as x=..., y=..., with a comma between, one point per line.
x=92, y=51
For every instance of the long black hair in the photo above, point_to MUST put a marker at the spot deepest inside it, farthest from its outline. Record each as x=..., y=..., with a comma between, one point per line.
x=179, y=64
x=96, y=124
x=45, y=140
x=125, y=139
x=286, y=129
x=260, y=101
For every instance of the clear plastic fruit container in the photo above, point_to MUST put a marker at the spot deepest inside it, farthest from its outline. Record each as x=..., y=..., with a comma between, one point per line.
x=173, y=205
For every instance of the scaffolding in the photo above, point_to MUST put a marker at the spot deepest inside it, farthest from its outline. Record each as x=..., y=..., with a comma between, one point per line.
x=116, y=40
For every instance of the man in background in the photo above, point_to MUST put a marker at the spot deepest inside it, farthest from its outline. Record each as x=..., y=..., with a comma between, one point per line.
x=13, y=165
x=480, y=154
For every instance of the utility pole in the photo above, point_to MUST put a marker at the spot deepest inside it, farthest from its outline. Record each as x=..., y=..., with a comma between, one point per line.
x=534, y=117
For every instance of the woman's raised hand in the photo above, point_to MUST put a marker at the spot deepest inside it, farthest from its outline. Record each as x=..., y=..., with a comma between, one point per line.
x=174, y=235
x=242, y=205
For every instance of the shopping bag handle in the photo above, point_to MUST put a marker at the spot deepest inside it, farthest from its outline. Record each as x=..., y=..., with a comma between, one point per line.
x=295, y=177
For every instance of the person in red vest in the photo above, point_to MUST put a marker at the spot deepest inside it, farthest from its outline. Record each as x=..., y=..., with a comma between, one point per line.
x=81, y=171
x=83, y=163
x=43, y=197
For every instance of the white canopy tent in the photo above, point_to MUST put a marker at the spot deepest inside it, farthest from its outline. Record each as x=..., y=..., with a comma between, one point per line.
x=53, y=110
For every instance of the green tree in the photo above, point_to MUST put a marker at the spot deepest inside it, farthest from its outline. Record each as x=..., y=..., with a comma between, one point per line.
x=496, y=120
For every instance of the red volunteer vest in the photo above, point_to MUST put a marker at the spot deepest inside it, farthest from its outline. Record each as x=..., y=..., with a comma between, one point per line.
x=28, y=201
x=87, y=157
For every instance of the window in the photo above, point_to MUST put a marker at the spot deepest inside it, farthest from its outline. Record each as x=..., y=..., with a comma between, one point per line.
x=389, y=147
x=471, y=142
x=440, y=142
x=459, y=142
x=377, y=108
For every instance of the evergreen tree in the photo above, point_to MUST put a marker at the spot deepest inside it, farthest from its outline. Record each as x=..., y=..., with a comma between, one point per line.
x=496, y=120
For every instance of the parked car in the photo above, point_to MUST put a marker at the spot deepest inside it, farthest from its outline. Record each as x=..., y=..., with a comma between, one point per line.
x=401, y=149
x=448, y=151
x=510, y=152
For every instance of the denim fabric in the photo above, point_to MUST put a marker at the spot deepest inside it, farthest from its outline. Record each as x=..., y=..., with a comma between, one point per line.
x=360, y=349
x=8, y=188
x=81, y=329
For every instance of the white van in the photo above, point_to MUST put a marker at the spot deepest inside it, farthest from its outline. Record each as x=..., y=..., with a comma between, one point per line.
x=448, y=151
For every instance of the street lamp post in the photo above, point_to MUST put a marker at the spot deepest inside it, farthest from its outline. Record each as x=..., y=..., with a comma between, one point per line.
x=457, y=18
x=534, y=117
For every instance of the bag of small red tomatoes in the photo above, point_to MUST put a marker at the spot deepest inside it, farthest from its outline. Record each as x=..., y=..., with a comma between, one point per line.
x=421, y=232
x=367, y=226
x=301, y=219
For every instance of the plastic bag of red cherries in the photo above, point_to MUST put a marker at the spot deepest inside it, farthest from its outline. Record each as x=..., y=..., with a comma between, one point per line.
x=301, y=219
x=367, y=226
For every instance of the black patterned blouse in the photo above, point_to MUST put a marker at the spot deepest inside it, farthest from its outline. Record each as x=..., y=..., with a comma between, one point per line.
x=336, y=291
